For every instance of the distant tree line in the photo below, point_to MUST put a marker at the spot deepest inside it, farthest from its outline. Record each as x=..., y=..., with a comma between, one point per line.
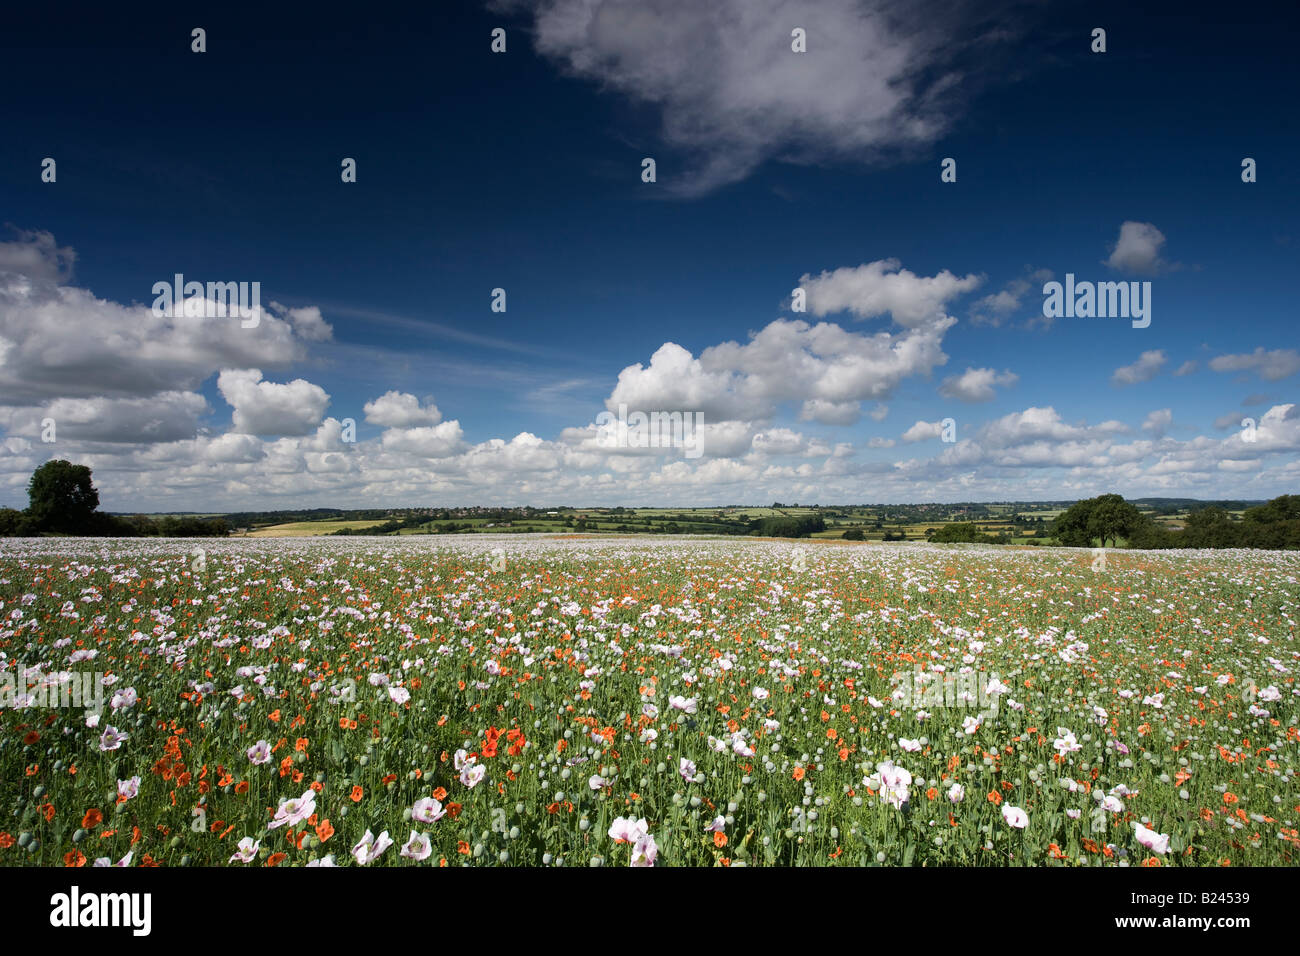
x=1274, y=525
x=392, y=526
x=787, y=527
x=963, y=532
x=63, y=501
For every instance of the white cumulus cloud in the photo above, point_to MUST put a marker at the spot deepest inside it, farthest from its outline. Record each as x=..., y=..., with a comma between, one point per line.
x=269, y=408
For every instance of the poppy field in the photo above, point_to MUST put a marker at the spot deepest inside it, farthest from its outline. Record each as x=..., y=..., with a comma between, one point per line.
x=630, y=702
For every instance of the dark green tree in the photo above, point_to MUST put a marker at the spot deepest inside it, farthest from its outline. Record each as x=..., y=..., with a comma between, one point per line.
x=1210, y=528
x=1106, y=517
x=62, y=497
x=959, y=532
x=1284, y=508
x=1112, y=518
x=1152, y=535
x=12, y=523
x=1071, y=525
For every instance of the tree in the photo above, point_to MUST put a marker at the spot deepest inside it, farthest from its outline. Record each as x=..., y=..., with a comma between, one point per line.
x=1108, y=517
x=1112, y=518
x=1284, y=508
x=62, y=497
x=1151, y=535
x=957, y=533
x=1209, y=528
x=1274, y=525
x=854, y=534
x=12, y=523
x=788, y=527
x=1071, y=526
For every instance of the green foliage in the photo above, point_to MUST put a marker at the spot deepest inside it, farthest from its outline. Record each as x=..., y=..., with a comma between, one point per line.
x=15, y=523
x=1274, y=525
x=62, y=498
x=1105, y=518
x=786, y=527
x=1111, y=518
x=64, y=501
x=1152, y=535
x=964, y=532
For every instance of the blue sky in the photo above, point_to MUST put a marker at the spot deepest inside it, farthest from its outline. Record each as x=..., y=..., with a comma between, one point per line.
x=522, y=171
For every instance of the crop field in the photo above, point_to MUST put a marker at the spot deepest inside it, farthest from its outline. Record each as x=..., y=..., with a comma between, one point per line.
x=498, y=700
x=294, y=529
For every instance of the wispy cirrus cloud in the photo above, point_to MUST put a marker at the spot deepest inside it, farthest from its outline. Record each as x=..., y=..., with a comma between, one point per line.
x=1270, y=365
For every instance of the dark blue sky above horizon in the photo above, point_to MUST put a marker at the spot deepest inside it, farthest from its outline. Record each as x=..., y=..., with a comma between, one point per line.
x=478, y=171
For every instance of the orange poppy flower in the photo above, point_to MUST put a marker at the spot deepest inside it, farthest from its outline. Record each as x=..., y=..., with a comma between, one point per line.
x=357, y=793
x=92, y=819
